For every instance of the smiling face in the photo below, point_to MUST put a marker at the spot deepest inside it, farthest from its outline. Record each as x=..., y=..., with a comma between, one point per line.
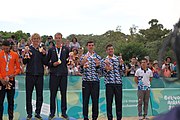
x=90, y=47
x=110, y=51
x=35, y=39
x=58, y=38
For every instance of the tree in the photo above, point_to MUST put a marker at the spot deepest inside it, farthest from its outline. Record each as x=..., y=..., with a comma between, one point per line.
x=133, y=49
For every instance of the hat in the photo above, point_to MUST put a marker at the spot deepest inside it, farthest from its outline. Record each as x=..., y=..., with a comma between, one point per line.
x=155, y=62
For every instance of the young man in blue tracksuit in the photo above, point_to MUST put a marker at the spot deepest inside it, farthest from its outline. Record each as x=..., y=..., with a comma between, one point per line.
x=90, y=68
x=113, y=81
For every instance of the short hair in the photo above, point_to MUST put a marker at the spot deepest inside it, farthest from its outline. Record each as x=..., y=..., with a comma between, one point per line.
x=58, y=33
x=6, y=43
x=35, y=35
x=144, y=59
x=109, y=45
x=90, y=41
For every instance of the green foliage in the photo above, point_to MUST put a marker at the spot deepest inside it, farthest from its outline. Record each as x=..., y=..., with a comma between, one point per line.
x=155, y=32
x=18, y=35
x=133, y=49
x=145, y=42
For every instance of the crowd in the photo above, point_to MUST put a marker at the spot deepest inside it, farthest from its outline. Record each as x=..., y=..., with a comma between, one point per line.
x=60, y=59
x=128, y=67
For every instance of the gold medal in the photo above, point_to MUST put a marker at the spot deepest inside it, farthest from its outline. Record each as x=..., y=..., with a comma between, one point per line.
x=59, y=61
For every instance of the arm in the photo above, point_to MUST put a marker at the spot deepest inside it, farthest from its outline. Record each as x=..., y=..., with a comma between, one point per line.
x=67, y=55
x=25, y=60
x=16, y=67
x=47, y=59
x=17, y=63
x=43, y=52
x=136, y=79
x=150, y=79
x=151, y=76
x=83, y=60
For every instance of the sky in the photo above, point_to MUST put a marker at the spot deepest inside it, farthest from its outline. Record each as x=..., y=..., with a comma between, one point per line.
x=47, y=17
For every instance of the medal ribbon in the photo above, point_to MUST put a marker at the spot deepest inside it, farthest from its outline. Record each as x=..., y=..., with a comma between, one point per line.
x=58, y=53
x=7, y=59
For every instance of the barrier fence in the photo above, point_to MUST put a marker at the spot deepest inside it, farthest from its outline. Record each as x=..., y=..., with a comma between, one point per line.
x=164, y=95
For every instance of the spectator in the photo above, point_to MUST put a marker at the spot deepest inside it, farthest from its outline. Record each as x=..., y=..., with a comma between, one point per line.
x=67, y=44
x=150, y=65
x=122, y=67
x=51, y=44
x=29, y=41
x=168, y=60
x=74, y=43
x=21, y=44
x=175, y=70
x=167, y=70
x=80, y=52
x=120, y=56
x=132, y=67
x=156, y=70
x=13, y=39
x=75, y=54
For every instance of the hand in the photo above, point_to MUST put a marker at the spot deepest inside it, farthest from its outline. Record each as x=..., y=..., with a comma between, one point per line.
x=84, y=60
x=56, y=64
x=107, y=62
x=8, y=86
x=4, y=82
x=43, y=51
x=121, y=61
x=97, y=62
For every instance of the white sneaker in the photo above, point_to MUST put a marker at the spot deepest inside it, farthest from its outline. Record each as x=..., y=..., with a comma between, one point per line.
x=146, y=118
x=140, y=117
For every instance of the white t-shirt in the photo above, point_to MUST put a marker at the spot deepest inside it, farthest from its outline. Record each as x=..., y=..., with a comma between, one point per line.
x=143, y=77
